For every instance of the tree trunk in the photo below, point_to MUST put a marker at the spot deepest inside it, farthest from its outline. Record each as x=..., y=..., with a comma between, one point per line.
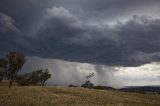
x=10, y=83
x=12, y=79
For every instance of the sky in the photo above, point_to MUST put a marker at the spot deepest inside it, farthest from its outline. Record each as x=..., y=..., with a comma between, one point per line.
x=118, y=40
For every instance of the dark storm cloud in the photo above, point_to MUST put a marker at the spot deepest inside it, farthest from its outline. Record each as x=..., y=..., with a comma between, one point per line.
x=9, y=33
x=7, y=24
x=108, y=10
x=141, y=33
x=25, y=12
x=62, y=30
x=63, y=36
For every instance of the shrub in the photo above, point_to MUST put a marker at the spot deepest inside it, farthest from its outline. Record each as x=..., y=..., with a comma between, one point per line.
x=33, y=78
x=87, y=84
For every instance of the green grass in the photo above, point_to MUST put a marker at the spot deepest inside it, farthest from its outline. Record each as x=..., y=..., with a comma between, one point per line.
x=65, y=96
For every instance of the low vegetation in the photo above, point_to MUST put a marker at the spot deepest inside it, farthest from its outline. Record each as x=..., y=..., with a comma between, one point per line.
x=38, y=77
x=71, y=96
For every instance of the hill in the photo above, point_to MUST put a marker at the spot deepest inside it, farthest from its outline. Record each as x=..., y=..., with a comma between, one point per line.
x=142, y=89
x=71, y=96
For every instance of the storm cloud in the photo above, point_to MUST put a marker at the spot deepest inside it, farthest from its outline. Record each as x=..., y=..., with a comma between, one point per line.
x=7, y=24
x=62, y=35
x=113, y=32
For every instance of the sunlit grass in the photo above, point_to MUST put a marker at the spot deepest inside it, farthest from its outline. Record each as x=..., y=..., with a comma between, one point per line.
x=65, y=96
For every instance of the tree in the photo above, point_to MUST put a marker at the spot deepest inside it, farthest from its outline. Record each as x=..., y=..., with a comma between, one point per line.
x=44, y=76
x=40, y=76
x=34, y=78
x=88, y=84
x=1, y=75
x=3, y=68
x=15, y=62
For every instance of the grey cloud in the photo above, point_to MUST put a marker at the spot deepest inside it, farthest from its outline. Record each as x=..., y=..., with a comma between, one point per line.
x=141, y=33
x=29, y=12
x=139, y=58
x=26, y=13
x=110, y=10
x=7, y=24
x=9, y=34
x=64, y=36
x=63, y=33
x=60, y=24
x=68, y=38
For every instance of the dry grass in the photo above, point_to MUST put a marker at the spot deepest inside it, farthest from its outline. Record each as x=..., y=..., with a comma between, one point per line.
x=65, y=96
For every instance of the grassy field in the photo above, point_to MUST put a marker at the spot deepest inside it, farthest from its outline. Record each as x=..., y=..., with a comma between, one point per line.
x=65, y=96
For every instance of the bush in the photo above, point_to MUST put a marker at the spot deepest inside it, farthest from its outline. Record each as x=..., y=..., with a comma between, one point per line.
x=33, y=78
x=88, y=84
x=72, y=85
x=23, y=80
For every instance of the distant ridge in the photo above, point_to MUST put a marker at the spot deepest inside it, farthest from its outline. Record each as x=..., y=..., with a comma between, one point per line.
x=142, y=89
